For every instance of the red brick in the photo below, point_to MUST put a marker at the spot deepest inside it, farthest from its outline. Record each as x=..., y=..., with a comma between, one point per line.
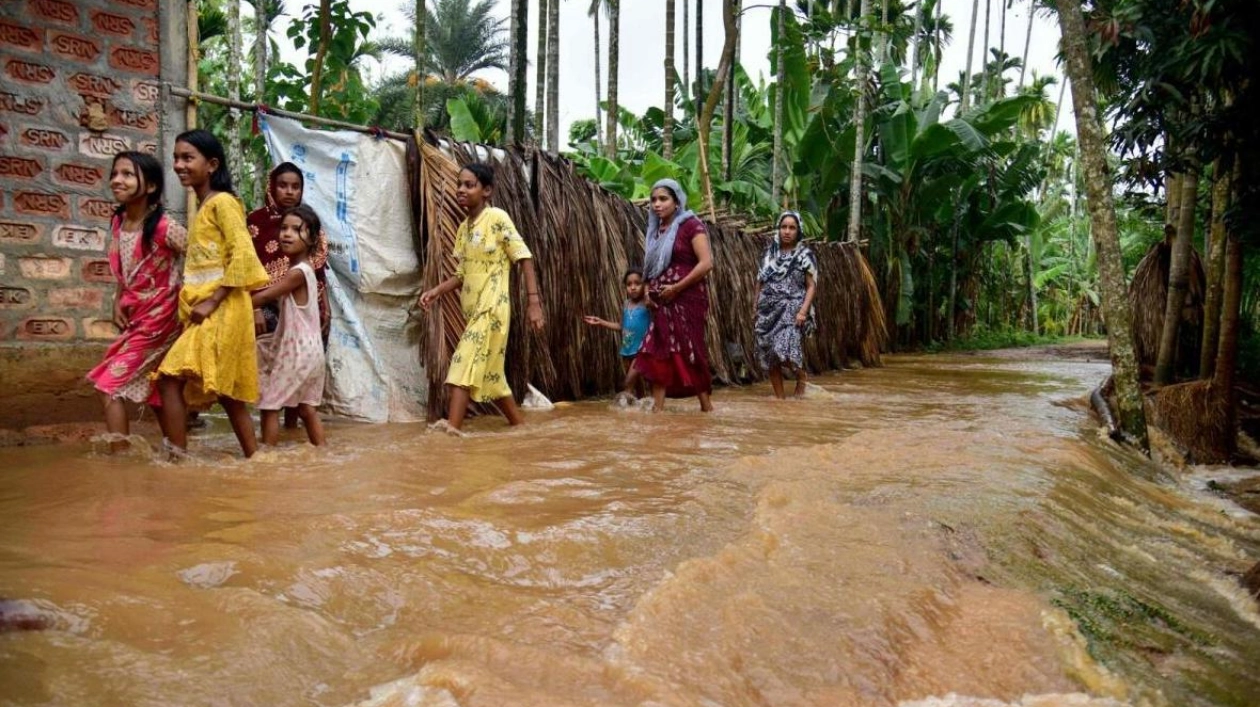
x=74, y=47
x=137, y=61
x=109, y=23
x=77, y=298
x=26, y=105
x=20, y=37
x=96, y=209
x=44, y=138
x=93, y=85
x=103, y=146
x=80, y=174
x=96, y=328
x=35, y=203
x=16, y=298
x=45, y=329
x=96, y=270
x=55, y=11
x=27, y=72
x=138, y=4
x=79, y=238
x=151, y=30
x=20, y=167
x=146, y=93
x=44, y=267
x=142, y=121
x=19, y=232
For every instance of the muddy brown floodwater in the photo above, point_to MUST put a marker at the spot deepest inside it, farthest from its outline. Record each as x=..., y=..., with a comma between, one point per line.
x=945, y=530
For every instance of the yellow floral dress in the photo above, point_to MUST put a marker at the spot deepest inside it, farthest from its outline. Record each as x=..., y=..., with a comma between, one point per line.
x=217, y=357
x=484, y=253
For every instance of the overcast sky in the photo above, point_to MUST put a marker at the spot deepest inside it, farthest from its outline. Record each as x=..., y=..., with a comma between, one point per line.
x=642, y=82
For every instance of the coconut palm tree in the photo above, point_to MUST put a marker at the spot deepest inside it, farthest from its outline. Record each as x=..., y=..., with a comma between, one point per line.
x=460, y=38
x=235, y=154
x=553, y=76
x=780, y=73
x=614, y=66
x=518, y=34
x=965, y=99
x=1102, y=210
x=418, y=52
x=668, y=147
x=540, y=75
x=593, y=13
x=859, y=121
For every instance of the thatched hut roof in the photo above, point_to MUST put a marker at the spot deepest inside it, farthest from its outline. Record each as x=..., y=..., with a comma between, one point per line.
x=583, y=238
x=1148, y=296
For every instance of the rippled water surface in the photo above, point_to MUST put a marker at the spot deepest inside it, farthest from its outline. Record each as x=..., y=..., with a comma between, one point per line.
x=940, y=531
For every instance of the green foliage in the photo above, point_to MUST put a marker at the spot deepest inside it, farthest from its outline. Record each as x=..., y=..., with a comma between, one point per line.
x=345, y=96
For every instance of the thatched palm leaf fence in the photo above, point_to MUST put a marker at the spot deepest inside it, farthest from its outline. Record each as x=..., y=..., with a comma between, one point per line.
x=583, y=238
x=1147, y=294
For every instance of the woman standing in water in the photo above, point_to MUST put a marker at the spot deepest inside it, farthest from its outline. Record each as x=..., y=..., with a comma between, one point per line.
x=145, y=256
x=676, y=260
x=786, y=284
x=486, y=246
x=214, y=357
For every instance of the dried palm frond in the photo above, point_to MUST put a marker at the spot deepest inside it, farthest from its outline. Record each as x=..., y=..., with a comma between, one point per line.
x=1148, y=297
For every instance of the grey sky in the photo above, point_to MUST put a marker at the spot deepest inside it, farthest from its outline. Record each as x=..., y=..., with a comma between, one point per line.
x=642, y=82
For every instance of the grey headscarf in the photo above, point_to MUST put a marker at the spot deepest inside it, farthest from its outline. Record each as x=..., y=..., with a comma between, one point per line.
x=659, y=248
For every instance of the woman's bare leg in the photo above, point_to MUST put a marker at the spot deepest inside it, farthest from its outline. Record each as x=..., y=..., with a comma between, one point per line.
x=458, y=406
x=706, y=402
x=658, y=398
x=507, y=406
x=776, y=381
x=270, y=427
x=174, y=412
x=242, y=424
x=801, y=377
x=116, y=422
x=314, y=427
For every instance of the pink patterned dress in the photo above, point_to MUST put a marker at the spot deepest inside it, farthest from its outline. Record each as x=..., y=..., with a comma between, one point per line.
x=291, y=361
x=150, y=298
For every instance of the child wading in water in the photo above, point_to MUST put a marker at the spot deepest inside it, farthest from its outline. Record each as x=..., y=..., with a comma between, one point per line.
x=635, y=320
x=145, y=256
x=486, y=245
x=214, y=357
x=291, y=362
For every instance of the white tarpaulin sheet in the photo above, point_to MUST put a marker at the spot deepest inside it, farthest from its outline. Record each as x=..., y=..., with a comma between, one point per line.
x=358, y=186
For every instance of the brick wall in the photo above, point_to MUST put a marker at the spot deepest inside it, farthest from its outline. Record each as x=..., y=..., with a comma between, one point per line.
x=79, y=81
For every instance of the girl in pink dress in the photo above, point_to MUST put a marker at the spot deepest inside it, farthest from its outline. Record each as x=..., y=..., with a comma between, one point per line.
x=291, y=363
x=146, y=257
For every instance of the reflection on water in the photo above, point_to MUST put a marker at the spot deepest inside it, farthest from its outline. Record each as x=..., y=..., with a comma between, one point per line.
x=944, y=531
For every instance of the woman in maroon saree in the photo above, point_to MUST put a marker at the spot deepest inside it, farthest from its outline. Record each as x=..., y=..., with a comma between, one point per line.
x=677, y=259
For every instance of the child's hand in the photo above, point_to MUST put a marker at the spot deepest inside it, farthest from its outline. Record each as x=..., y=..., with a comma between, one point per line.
x=260, y=323
x=800, y=319
x=203, y=310
x=426, y=298
x=594, y=321
x=535, y=315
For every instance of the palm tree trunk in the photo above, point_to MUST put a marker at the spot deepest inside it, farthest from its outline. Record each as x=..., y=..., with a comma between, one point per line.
x=599, y=122
x=914, y=50
x=1231, y=305
x=883, y=32
x=1222, y=174
x=951, y=308
x=668, y=137
x=1002, y=48
x=705, y=124
x=780, y=73
x=937, y=52
x=700, y=90
x=1098, y=183
x=971, y=50
x=418, y=52
x=1178, y=278
x=540, y=78
x=984, y=53
x=614, y=66
x=686, y=52
x=262, y=25
x=516, y=71
x=553, y=77
x=859, y=117
x=325, y=35
x=728, y=110
x=235, y=155
x=1023, y=67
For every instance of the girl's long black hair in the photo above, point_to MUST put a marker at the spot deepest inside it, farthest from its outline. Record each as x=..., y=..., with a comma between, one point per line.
x=149, y=173
x=209, y=146
x=310, y=218
x=483, y=172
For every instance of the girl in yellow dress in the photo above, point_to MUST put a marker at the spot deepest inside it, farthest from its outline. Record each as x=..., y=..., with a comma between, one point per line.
x=486, y=245
x=214, y=357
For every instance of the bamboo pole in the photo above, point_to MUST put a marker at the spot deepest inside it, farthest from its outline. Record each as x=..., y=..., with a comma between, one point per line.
x=197, y=96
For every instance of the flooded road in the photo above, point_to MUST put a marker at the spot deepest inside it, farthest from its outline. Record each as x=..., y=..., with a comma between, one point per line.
x=946, y=530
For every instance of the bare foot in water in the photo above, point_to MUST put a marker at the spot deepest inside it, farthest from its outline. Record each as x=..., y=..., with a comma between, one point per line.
x=444, y=426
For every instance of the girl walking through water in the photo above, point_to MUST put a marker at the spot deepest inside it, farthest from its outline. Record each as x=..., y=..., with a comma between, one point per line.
x=214, y=358
x=486, y=246
x=145, y=256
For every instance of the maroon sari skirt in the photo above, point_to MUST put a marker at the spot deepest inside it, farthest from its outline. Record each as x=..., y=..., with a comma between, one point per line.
x=674, y=353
